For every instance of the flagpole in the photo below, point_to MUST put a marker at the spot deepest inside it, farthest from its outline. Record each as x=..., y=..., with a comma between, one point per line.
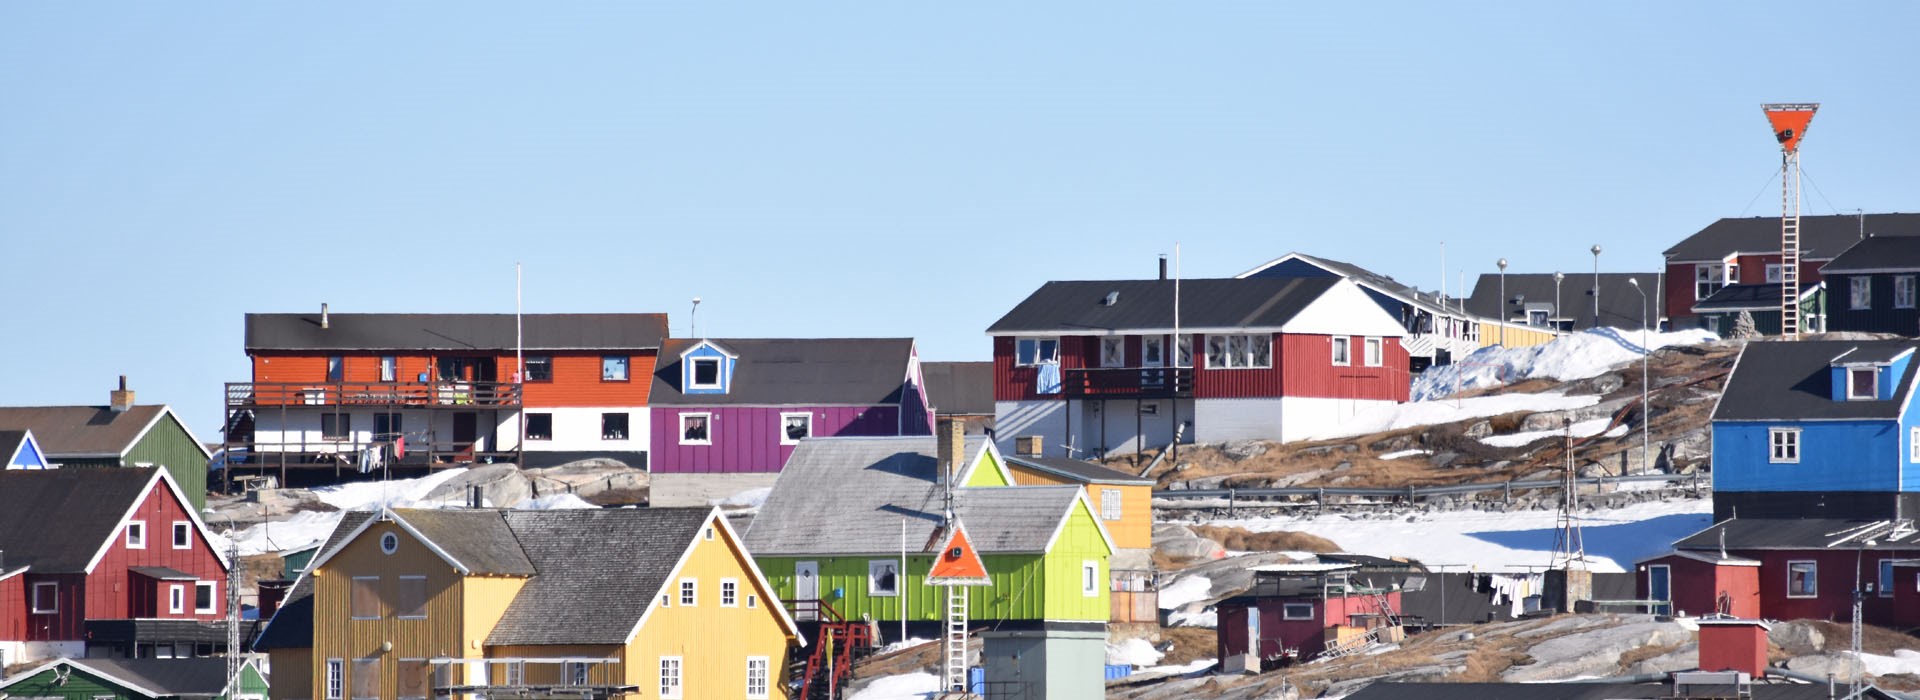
x=903, y=579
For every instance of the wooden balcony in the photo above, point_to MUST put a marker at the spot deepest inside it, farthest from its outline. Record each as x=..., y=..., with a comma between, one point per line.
x=464, y=395
x=1128, y=383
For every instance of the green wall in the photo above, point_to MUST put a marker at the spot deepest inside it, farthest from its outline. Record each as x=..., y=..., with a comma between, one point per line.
x=171, y=446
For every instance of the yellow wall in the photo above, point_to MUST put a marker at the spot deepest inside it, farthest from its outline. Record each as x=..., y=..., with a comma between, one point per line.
x=713, y=642
x=1518, y=335
x=1134, y=529
x=597, y=674
x=292, y=677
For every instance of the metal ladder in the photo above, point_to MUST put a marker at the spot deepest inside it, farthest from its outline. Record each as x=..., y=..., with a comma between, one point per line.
x=954, y=643
x=1790, y=245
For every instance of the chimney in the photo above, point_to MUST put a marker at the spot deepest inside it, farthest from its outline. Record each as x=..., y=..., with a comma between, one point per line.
x=1734, y=644
x=474, y=499
x=323, y=315
x=120, y=399
x=952, y=434
x=1163, y=267
x=1030, y=446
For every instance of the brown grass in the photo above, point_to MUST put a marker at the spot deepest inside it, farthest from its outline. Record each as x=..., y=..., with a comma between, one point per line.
x=1240, y=540
x=1634, y=656
x=1189, y=644
x=618, y=497
x=1873, y=640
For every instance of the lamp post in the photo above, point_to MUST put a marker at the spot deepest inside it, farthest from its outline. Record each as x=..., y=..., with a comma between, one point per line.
x=1503, y=301
x=693, y=319
x=1596, y=285
x=1646, y=408
x=1557, y=279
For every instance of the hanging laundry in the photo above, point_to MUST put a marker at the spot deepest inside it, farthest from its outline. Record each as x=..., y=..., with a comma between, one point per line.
x=1049, y=379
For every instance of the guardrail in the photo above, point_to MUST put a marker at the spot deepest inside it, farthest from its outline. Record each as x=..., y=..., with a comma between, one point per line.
x=1694, y=481
x=241, y=395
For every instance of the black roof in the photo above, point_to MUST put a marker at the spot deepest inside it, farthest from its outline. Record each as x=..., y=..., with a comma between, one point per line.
x=1619, y=303
x=1084, y=472
x=1821, y=237
x=1884, y=253
x=959, y=388
x=1790, y=381
x=794, y=371
x=205, y=676
x=1742, y=297
x=1873, y=354
x=1788, y=533
x=161, y=573
x=56, y=519
x=10, y=440
x=1579, y=690
x=455, y=331
x=1079, y=307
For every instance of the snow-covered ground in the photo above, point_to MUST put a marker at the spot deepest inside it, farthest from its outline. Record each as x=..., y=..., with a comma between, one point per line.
x=367, y=495
x=1585, y=428
x=1407, y=415
x=307, y=528
x=1902, y=661
x=1184, y=591
x=911, y=686
x=1514, y=541
x=1578, y=356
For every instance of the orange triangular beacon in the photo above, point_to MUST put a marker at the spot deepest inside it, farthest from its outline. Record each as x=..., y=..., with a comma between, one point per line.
x=958, y=563
x=1789, y=122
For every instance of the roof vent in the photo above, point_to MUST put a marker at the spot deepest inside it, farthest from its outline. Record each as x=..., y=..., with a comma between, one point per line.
x=1112, y=298
x=323, y=315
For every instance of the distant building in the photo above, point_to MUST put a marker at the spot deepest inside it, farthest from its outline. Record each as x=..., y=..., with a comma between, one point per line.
x=1873, y=286
x=21, y=451
x=1746, y=251
x=138, y=679
x=963, y=390
x=1537, y=300
x=118, y=434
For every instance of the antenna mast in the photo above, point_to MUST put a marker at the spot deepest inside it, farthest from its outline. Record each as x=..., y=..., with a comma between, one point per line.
x=1789, y=121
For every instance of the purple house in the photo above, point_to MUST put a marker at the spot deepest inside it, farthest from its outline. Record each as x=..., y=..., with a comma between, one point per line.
x=726, y=412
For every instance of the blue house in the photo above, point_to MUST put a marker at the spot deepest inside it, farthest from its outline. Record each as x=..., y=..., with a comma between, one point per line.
x=21, y=451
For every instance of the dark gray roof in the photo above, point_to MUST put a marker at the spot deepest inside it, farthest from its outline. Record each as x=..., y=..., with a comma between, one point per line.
x=478, y=539
x=1385, y=284
x=1821, y=237
x=1742, y=297
x=205, y=676
x=1079, y=307
x=1454, y=598
x=292, y=625
x=1391, y=690
x=1786, y=533
x=1790, y=381
x=56, y=519
x=959, y=388
x=877, y=483
x=454, y=331
x=72, y=431
x=1873, y=354
x=1077, y=470
x=599, y=571
x=794, y=371
x=1879, y=253
x=10, y=441
x=162, y=573
x=1619, y=303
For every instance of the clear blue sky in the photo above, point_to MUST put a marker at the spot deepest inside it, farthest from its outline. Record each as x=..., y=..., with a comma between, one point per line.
x=842, y=169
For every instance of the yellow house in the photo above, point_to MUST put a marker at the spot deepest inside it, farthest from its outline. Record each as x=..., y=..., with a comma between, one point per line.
x=589, y=604
x=1125, y=501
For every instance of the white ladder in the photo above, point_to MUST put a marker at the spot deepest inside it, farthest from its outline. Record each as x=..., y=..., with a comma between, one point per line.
x=954, y=642
x=1790, y=245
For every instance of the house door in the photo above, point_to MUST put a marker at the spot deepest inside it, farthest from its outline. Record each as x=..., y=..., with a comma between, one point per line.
x=466, y=429
x=1660, y=586
x=806, y=587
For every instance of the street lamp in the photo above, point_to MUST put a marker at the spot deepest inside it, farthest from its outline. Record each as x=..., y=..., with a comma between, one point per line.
x=1557, y=278
x=1596, y=285
x=1503, y=301
x=693, y=319
x=1646, y=409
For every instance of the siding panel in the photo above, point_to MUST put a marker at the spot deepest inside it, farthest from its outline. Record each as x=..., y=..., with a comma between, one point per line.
x=746, y=439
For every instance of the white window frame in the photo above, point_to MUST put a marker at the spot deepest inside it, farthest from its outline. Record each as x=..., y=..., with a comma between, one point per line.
x=1286, y=611
x=53, y=597
x=136, y=526
x=1783, y=445
x=576, y=674
x=389, y=368
x=182, y=534
x=683, y=429
x=336, y=680
x=1813, y=578
x=874, y=569
x=1113, y=351
x=513, y=673
x=1153, y=351
x=1903, y=291
x=689, y=592
x=1342, y=351
x=1090, y=578
x=213, y=597
x=670, y=690
x=625, y=364
x=1375, y=351
x=693, y=373
x=1707, y=279
x=1021, y=354
x=729, y=592
x=1237, y=350
x=1875, y=372
x=759, y=671
x=784, y=439
x=1183, y=350
x=1859, y=292
x=1110, y=504
x=1776, y=273
x=176, y=599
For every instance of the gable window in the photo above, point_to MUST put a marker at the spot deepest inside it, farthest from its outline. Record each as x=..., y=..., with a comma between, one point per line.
x=1183, y=350
x=203, y=597
x=46, y=598
x=1375, y=351
x=1109, y=504
x=410, y=598
x=539, y=369
x=336, y=426
x=669, y=676
x=1783, y=445
x=1029, y=352
x=389, y=368
x=1903, y=291
x=539, y=426
x=336, y=678
x=1707, y=279
x=182, y=534
x=386, y=425
x=1090, y=578
x=1113, y=351
x=1803, y=579
x=1859, y=292
x=613, y=426
x=136, y=534
x=613, y=368
x=389, y=543
x=757, y=677
x=1239, y=351
x=1774, y=274
x=176, y=598
x=706, y=373
x=729, y=593
x=1342, y=351
x=795, y=427
x=364, y=598
x=1863, y=383
x=689, y=592
x=1153, y=351
x=1296, y=611
x=883, y=577
x=694, y=429
x=336, y=369
x=753, y=601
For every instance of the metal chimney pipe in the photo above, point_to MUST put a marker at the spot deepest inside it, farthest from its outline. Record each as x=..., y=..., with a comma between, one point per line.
x=1163, y=267
x=323, y=314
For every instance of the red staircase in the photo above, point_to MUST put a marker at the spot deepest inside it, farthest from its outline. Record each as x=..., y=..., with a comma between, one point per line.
x=823, y=678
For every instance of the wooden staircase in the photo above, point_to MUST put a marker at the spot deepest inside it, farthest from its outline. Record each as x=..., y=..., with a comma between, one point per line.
x=824, y=673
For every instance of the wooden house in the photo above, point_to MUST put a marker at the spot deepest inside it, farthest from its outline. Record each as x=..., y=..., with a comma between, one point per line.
x=1874, y=285
x=1298, y=612
x=1721, y=312
x=86, y=553
x=1746, y=251
x=334, y=393
x=19, y=450
x=118, y=434
x=1108, y=367
x=1124, y=503
x=727, y=412
x=138, y=679
x=589, y=604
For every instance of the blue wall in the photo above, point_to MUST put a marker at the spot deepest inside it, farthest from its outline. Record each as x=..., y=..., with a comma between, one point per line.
x=29, y=457
x=1834, y=456
x=686, y=370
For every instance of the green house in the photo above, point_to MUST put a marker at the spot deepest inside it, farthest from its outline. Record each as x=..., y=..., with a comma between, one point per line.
x=119, y=434
x=831, y=535
x=136, y=679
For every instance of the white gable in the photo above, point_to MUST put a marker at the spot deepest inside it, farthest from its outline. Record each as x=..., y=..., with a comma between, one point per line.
x=1345, y=309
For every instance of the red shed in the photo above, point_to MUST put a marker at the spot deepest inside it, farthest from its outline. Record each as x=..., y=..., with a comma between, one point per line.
x=1734, y=644
x=1295, y=612
x=1701, y=583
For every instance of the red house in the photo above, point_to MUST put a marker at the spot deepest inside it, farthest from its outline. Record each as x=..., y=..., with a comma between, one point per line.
x=1788, y=569
x=1747, y=252
x=1110, y=366
x=1296, y=612
x=105, y=563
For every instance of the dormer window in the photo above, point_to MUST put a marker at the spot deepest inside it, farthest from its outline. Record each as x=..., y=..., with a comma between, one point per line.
x=1863, y=383
x=705, y=373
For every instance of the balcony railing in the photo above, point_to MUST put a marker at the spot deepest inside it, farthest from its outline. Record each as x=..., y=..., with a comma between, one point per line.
x=1129, y=383
x=375, y=394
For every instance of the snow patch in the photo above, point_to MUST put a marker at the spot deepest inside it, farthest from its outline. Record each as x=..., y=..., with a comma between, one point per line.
x=394, y=493
x=911, y=686
x=910, y=643
x=1405, y=453
x=1186, y=590
x=1902, y=661
x=559, y=501
x=305, y=529
x=750, y=498
x=1380, y=419
x=1585, y=428
x=1138, y=653
x=1578, y=356
x=1204, y=618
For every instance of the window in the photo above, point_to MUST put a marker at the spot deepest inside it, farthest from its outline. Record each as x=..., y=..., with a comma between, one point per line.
x=1036, y=351
x=753, y=601
x=514, y=673
x=694, y=429
x=386, y=425
x=795, y=427
x=336, y=677
x=364, y=597
x=137, y=534
x=706, y=373
x=539, y=369
x=689, y=592
x=883, y=577
x=1239, y=351
x=46, y=598
x=182, y=534
x=1090, y=578
x=1863, y=383
x=335, y=426
x=414, y=679
x=1859, y=294
x=1803, y=579
x=1183, y=351
x=1886, y=578
x=1775, y=274
x=1153, y=351
x=539, y=426
x=756, y=677
x=1342, y=355
x=389, y=368
x=1113, y=351
x=389, y=543
x=1903, y=292
x=666, y=600
x=576, y=673
x=1375, y=352
x=613, y=426
x=1707, y=279
x=204, y=593
x=729, y=593
x=410, y=598
x=1296, y=611
x=176, y=598
x=613, y=369
x=669, y=676
x=336, y=369
x=366, y=679
x=1913, y=445
x=1784, y=445
x=1109, y=504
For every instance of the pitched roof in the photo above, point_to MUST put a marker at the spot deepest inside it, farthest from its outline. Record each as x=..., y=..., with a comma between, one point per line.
x=1821, y=237
x=87, y=503
x=1887, y=253
x=82, y=431
x=162, y=573
x=959, y=388
x=455, y=331
x=1787, y=533
x=193, y=677
x=599, y=570
x=10, y=443
x=794, y=371
x=1384, y=284
x=878, y=483
x=479, y=540
x=1080, y=307
x=1077, y=470
x=1747, y=297
x=1791, y=381
x=1620, y=305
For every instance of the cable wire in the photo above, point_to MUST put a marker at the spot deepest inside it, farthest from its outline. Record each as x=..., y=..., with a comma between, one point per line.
x=1772, y=176
x=1816, y=188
